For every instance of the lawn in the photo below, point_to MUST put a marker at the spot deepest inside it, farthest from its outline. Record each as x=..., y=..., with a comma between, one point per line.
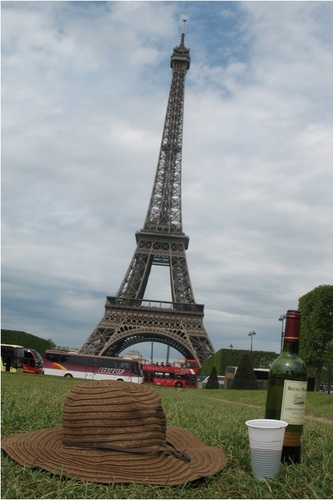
x=217, y=417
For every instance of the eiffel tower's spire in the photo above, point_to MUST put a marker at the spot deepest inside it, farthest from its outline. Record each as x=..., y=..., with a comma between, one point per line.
x=164, y=211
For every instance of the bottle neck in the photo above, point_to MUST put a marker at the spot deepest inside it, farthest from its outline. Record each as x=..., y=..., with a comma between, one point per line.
x=291, y=336
x=290, y=347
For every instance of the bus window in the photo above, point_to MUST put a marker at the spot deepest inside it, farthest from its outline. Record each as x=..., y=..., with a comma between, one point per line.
x=12, y=358
x=136, y=367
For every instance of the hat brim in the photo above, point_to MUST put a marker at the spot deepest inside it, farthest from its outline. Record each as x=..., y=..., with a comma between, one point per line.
x=44, y=449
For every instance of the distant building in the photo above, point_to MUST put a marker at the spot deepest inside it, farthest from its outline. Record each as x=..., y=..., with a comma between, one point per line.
x=134, y=355
x=138, y=356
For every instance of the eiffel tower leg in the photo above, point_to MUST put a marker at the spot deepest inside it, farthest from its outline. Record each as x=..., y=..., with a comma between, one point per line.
x=180, y=278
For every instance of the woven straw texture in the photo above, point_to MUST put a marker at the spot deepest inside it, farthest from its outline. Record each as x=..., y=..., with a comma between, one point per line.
x=115, y=432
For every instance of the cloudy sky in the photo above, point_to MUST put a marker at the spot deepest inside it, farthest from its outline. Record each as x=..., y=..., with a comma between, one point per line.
x=84, y=93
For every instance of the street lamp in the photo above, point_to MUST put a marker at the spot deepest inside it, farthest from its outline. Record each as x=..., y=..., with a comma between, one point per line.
x=251, y=335
x=282, y=318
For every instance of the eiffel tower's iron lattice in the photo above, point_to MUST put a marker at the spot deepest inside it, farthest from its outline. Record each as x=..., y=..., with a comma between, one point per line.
x=128, y=318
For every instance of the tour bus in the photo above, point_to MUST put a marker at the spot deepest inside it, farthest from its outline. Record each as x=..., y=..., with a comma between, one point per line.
x=172, y=375
x=32, y=361
x=260, y=373
x=12, y=358
x=70, y=364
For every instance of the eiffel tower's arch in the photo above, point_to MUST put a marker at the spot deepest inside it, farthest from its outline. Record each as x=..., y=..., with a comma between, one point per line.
x=125, y=324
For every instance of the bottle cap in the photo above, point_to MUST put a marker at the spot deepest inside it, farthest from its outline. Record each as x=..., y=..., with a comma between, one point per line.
x=293, y=320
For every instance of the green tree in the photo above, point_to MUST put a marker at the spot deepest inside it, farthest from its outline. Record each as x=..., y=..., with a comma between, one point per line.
x=213, y=381
x=26, y=340
x=245, y=377
x=316, y=340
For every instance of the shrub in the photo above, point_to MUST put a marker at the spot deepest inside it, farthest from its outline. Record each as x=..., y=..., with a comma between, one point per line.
x=213, y=381
x=245, y=377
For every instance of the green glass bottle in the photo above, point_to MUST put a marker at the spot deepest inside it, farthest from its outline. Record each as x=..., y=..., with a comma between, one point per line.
x=287, y=387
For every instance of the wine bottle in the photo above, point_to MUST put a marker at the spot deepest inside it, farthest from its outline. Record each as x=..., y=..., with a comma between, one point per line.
x=287, y=387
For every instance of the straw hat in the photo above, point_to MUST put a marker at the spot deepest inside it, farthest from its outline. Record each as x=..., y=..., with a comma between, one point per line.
x=115, y=432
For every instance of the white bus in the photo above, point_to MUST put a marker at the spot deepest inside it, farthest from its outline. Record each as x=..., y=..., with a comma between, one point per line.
x=67, y=364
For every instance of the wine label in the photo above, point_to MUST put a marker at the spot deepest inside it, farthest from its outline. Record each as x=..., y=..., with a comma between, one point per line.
x=292, y=439
x=293, y=401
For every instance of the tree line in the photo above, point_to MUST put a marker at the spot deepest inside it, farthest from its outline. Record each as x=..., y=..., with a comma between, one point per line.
x=27, y=340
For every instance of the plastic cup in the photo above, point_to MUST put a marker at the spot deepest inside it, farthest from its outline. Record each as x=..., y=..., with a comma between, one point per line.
x=266, y=441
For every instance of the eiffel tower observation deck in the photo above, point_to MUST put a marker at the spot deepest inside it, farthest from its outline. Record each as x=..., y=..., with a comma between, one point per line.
x=129, y=318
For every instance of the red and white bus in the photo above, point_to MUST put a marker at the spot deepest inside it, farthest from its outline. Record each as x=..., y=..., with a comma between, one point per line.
x=68, y=364
x=32, y=361
x=175, y=375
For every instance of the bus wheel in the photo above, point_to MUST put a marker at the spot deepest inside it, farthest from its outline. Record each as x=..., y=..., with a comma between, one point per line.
x=68, y=375
x=120, y=380
x=179, y=384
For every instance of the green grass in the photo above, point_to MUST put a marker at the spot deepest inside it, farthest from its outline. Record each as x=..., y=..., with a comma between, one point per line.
x=217, y=417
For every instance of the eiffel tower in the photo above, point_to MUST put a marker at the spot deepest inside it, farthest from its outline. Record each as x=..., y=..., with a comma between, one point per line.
x=128, y=318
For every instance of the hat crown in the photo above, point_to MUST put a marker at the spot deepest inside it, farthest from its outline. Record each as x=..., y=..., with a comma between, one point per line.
x=116, y=414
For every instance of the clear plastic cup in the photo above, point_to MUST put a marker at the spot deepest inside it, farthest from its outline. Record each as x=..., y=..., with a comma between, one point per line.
x=266, y=441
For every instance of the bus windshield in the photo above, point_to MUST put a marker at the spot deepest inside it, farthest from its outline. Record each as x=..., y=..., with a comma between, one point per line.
x=32, y=362
x=67, y=364
x=12, y=358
